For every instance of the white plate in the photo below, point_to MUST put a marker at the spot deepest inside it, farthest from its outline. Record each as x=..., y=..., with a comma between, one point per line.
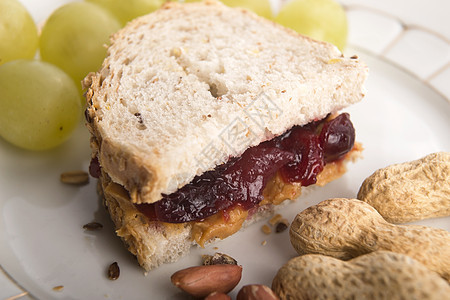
x=43, y=245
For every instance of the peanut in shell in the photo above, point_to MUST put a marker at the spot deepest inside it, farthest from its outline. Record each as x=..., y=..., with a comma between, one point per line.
x=347, y=228
x=378, y=275
x=410, y=191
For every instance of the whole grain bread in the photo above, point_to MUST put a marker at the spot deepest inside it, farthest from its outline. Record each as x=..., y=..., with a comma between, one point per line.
x=189, y=86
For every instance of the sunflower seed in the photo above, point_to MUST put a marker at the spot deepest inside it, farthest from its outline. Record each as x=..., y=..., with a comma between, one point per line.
x=92, y=226
x=75, y=177
x=58, y=288
x=113, y=271
x=281, y=226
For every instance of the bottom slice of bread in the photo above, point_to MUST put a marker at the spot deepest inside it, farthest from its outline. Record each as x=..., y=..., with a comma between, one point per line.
x=155, y=243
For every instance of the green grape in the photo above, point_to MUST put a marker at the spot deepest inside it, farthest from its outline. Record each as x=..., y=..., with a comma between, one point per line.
x=127, y=10
x=320, y=19
x=39, y=104
x=260, y=7
x=74, y=36
x=18, y=32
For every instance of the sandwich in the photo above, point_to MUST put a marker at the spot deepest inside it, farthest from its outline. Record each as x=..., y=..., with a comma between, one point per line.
x=205, y=118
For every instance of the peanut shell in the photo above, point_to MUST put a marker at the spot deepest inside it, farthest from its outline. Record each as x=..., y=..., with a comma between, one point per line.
x=347, y=228
x=378, y=275
x=410, y=191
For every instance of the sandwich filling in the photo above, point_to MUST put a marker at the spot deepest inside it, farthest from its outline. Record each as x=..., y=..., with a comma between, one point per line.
x=297, y=156
x=217, y=203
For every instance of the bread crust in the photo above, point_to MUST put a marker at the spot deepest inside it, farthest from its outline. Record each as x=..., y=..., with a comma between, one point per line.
x=161, y=166
x=152, y=243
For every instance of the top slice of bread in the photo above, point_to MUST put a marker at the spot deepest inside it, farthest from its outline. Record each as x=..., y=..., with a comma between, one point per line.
x=189, y=86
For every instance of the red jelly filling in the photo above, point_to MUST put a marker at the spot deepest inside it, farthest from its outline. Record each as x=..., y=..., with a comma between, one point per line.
x=299, y=155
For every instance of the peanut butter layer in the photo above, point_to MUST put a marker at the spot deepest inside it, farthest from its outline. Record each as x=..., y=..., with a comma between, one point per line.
x=224, y=224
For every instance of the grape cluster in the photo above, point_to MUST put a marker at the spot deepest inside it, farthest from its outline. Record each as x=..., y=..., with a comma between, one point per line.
x=40, y=99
